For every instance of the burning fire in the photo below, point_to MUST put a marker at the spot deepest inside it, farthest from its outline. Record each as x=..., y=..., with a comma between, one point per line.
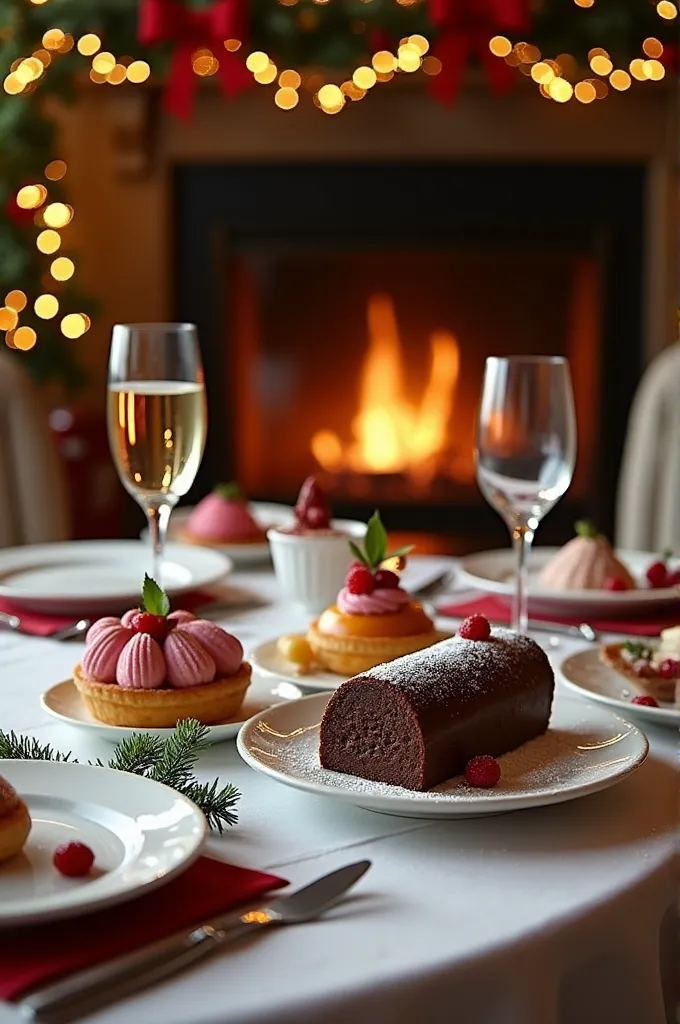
x=392, y=434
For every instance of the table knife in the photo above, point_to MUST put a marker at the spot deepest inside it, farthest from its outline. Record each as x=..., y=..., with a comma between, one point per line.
x=89, y=990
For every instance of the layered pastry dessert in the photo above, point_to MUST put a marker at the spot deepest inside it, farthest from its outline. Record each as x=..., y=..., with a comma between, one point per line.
x=654, y=667
x=419, y=720
x=587, y=562
x=15, y=822
x=222, y=517
x=373, y=619
x=153, y=667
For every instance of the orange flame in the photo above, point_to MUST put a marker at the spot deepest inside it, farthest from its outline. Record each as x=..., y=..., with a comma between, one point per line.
x=391, y=434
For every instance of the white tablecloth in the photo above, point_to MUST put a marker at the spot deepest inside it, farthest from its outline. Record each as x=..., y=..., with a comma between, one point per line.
x=560, y=915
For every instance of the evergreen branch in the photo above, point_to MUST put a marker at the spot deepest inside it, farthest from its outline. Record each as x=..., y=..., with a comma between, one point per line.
x=215, y=803
x=137, y=754
x=179, y=753
x=27, y=748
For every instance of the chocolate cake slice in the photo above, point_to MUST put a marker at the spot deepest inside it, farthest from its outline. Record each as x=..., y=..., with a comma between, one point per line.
x=417, y=721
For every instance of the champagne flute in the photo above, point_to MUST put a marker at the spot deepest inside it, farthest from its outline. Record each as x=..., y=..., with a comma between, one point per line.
x=157, y=418
x=526, y=450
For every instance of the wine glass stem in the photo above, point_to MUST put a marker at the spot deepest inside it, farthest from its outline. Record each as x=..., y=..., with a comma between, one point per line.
x=522, y=536
x=158, y=517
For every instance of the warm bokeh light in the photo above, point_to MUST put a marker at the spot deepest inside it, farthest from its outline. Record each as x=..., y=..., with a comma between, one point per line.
x=560, y=90
x=290, y=80
x=138, y=72
x=637, y=69
x=48, y=242
x=286, y=98
x=12, y=85
x=667, y=10
x=408, y=58
x=30, y=197
x=654, y=70
x=352, y=92
x=364, y=78
x=652, y=47
x=9, y=318
x=267, y=76
x=584, y=3
x=601, y=88
x=29, y=70
x=57, y=215
x=73, y=326
x=620, y=80
x=16, y=299
x=596, y=52
x=53, y=39
x=568, y=65
x=601, y=65
x=55, y=170
x=585, y=92
x=118, y=75
x=67, y=44
x=420, y=42
x=62, y=269
x=46, y=306
x=104, y=63
x=500, y=46
x=206, y=65
x=257, y=61
x=542, y=73
x=89, y=44
x=383, y=61
x=24, y=338
x=432, y=65
x=528, y=53
x=232, y=45
x=331, y=98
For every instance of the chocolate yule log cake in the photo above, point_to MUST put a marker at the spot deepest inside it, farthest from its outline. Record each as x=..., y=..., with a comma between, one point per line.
x=417, y=721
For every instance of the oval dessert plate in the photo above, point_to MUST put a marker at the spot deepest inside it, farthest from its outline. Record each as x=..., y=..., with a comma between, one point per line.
x=268, y=662
x=62, y=701
x=585, y=749
x=587, y=676
x=266, y=514
x=493, y=573
x=97, y=576
x=141, y=833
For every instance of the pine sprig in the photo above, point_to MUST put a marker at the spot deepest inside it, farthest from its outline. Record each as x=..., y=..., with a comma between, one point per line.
x=170, y=762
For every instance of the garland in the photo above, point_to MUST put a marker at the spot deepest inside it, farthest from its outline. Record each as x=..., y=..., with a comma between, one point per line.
x=170, y=762
x=48, y=46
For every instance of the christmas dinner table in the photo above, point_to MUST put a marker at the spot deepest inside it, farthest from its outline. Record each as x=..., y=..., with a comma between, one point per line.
x=556, y=915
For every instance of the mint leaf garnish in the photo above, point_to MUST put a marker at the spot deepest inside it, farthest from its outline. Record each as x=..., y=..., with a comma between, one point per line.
x=230, y=492
x=357, y=552
x=399, y=552
x=375, y=544
x=154, y=600
x=584, y=528
x=638, y=650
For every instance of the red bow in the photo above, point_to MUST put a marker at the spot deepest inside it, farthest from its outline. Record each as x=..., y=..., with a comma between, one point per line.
x=162, y=21
x=466, y=26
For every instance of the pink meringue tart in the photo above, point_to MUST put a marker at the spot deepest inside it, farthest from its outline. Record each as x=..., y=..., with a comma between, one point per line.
x=152, y=667
x=222, y=517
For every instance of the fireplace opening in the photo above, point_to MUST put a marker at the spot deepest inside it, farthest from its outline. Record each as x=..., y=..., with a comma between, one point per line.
x=346, y=312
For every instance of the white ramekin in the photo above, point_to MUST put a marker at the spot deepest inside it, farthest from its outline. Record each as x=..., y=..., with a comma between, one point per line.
x=311, y=569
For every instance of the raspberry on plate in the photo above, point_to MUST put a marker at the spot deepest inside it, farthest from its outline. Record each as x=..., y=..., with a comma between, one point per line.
x=647, y=702
x=657, y=574
x=482, y=772
x=615, y=583
x=73, y=859
x=359, y=579
x=475, y=627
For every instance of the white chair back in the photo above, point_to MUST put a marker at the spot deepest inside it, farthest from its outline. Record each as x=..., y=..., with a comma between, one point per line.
x=33, y=507
x=648, y=502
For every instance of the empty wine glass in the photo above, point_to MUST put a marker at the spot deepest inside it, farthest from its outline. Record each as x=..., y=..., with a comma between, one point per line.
x=526, y=449
x=157, y=418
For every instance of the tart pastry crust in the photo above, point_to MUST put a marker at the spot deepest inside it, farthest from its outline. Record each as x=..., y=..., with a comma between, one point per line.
x=666, y=690
x=350, y=655
x=157, y=709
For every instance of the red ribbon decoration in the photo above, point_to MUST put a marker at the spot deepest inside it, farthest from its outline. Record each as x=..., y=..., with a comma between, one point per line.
x=162, y=21
x=466, y=26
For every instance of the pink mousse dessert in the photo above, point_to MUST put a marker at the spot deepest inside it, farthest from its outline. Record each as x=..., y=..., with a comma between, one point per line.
x=223, y=517
x=152, y=667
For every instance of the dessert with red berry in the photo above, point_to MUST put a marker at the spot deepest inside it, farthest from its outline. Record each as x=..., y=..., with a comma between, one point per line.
x=312, y=513
x=586, y=562
x=153, y=667
x=451, y=709
x=660, y=575
x=655, y=667
x=222, y=517
x=372, y=619
x=15, y=822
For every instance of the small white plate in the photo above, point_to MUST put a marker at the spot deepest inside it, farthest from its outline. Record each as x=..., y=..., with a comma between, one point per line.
x=267, y=662
x=141, y=833
x=493, y=572
x=62, y=701
x=584, y=750
x=587, y=676
x=266, y=514
x=93, y=576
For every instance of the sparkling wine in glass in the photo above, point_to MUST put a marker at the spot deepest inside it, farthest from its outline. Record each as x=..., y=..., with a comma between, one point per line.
x=526, y=449
x=157, y=418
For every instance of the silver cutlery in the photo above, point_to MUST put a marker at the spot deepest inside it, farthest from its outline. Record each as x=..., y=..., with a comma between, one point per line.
x=75, y=629
x=89, y=990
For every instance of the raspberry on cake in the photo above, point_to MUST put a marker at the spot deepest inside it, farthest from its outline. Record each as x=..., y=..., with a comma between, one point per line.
x=373, y=619
x=451, y=709
x=153, y=667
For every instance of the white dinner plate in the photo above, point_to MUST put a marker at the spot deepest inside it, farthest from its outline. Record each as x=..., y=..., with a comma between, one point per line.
x=267, y=662
x=95, y=576
x=585, y=749
x=266, y=514
x=141, y=833
x=494, y=571
x=586, y=675
x=62, y=701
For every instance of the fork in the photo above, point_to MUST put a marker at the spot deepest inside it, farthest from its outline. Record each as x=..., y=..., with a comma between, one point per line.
x=75, y=629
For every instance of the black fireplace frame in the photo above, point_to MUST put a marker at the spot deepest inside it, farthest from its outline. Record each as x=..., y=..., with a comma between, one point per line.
x=598, y=208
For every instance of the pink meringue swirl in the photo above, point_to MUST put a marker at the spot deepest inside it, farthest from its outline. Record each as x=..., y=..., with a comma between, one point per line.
x=225, y=650
x=380, y=602
x=187, y=661
x=101, y=656
x=141, y=665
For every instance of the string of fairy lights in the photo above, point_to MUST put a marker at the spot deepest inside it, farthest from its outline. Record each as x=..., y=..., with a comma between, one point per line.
x=560, y=79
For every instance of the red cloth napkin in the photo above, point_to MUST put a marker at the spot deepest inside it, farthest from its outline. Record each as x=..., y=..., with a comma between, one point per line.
x=36, y=955
x=45, y=624
x=498, y=610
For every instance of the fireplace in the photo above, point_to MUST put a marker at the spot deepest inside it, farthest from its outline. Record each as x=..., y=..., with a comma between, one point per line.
x=345, y=313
